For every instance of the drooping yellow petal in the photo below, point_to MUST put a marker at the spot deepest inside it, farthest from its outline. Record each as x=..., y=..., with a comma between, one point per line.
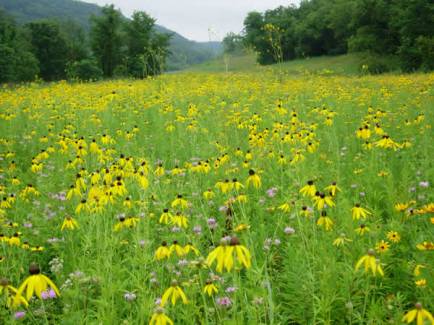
x=360, y=262
x=166, y=296
x=183, y=296
x=419, y=318
x=410, y=316
x=229, y=259
x=51, y=284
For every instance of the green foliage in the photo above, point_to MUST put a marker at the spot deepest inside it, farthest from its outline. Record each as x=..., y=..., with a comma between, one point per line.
x=59, y=49
x=138, y=32
x=93, y=153
x=377, y=64
x=76, y=40
x=6, y=66
x=25, y=11
x=106, y=39
x=50, y=48
x=17, y=63
x=183, y=52
x=329, y=27
x=233, y=44
x=147, y=50
x=425, y=45
x=84, y=70
x=26, y=67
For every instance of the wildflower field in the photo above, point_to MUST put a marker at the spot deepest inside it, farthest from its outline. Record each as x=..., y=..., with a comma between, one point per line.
x=193, y=198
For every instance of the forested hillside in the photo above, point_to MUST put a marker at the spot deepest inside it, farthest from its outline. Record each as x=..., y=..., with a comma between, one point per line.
x=388, y=31
x=183, y=51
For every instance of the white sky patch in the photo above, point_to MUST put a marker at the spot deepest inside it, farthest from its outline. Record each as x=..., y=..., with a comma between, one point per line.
x=199, y=20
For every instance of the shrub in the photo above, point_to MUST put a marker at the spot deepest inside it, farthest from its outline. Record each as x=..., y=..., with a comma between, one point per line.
x=84, y=70
x=376, y=64
x=425, y=46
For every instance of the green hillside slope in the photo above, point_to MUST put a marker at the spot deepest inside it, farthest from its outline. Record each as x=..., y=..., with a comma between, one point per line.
x=342, y=64
x=184, y=52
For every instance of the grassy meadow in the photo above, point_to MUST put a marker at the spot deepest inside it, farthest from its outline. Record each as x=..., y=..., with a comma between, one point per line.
x=347, y=64
x=210, y=198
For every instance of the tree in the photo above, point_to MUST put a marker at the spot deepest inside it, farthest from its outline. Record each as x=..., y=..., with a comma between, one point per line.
x=50, y=48
x=106, y=39
x=76, y=40
x=17, y=63
x=233, y=43
x=414, y=20
x=147, y=50
x=139, y=31
x=157, y=53
x=84, y=70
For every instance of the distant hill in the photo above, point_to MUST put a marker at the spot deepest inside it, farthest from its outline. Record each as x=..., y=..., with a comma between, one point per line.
x=184, y=52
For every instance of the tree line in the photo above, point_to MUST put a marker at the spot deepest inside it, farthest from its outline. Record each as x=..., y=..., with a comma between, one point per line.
x=398, y=30
x=54, y=50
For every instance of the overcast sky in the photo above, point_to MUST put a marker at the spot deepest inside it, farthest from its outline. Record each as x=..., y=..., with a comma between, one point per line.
x=193, y=18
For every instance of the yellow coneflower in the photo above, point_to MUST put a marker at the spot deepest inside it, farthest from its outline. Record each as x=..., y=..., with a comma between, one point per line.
x=370, y=262
x=36, y=283
x=175, y=247
x=306, y=211
x=69, y=223
x=173, y=293
x=309, y=189
x=218, y=254
x=166, y=217
x=162, y=252
x=341, y=240
x=359, y=212
x=362, y=229
x=333, y=189
x=387, y=143
x=224, y=186
x=5, y=204
x=253, y=179
x=180, y=220
x=208, y=194
x=81, y=206
x=210, y=288
x=419, y=314
x=241, y=198
x=13, y=298
x=15, y=181
x=15, y=239
x=179, y=202
x=120, y=224
x=321, y=200
x=127, y=202
x=37, y=248
x=324, y=221
x=242, y=254
x=73, y=191
x=236, y=184
x=190, y=248
x=285, y=207
x=159, y=318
